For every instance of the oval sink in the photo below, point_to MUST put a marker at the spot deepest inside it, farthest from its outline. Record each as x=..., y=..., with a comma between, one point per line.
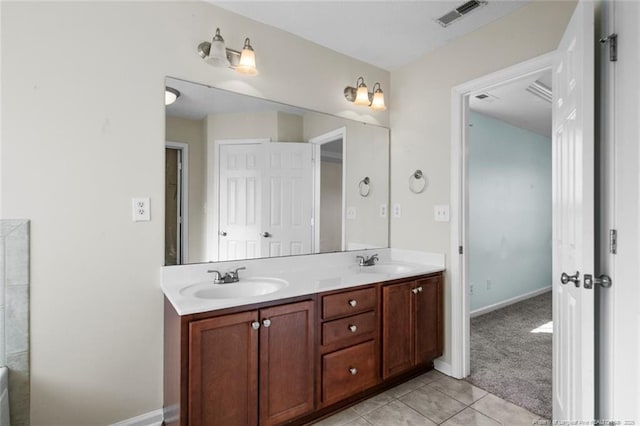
x=386, y=268
x=246, y=287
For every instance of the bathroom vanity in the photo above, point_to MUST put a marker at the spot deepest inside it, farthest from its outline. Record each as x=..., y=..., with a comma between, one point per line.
x=325, y=340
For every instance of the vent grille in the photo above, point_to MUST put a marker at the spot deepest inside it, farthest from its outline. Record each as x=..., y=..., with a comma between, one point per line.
x=540, y=90
x=452, y=16
x=482, y=96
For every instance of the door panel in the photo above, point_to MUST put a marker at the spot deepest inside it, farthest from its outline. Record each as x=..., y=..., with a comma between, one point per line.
x=286, y=362
x=397, y=329
x=428, y=319
x=573, y=219
x=223, y=385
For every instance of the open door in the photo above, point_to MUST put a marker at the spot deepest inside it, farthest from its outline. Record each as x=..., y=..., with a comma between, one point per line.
x=573, y=220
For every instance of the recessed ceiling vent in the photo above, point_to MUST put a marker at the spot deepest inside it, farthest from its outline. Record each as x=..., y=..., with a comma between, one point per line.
x=457, y=13
x=541, y=91
x=485, y=97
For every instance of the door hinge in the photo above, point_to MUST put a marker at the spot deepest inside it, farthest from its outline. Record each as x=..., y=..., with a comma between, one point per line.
x=612, y=39
x=180, y=165
x=613, y=241
x=460, y=251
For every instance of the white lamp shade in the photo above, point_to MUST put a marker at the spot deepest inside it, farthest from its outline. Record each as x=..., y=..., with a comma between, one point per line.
x=362, y=96
x=247, y=64
x=378, y=101
x=218, y=55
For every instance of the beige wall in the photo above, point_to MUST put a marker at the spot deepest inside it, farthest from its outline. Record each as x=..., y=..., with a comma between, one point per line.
x=330, y=206
x=82, y=133
x=192, y=133
x=421, y=116
x=289, y=128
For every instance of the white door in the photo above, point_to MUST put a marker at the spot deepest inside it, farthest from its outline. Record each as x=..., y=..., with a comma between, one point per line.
x=287, y=199
x=573, y=219
x=240, y=194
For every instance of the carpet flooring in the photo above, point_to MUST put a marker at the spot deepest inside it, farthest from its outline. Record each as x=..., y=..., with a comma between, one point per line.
x=510, y=361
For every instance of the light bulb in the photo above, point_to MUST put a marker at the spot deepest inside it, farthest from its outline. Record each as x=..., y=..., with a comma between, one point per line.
x=247, y=64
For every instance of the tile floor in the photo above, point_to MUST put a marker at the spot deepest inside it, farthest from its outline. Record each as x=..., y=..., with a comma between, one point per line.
x=434, y=399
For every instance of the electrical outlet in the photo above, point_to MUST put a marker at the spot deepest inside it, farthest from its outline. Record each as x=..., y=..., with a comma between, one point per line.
x=141, y=209
x=488, y=284
x=441, y=213
x=397, y=210
x=471, y=289
x=383, y=210
x=351, y=213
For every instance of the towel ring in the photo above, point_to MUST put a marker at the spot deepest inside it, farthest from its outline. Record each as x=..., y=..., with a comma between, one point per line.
x=417, y=182
x=363, y=187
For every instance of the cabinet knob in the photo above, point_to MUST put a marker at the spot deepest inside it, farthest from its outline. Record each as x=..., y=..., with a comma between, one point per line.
x=266, y=323
x=353, y=302
x=353, y=371
x=255, y=325
x=420, y=289
x=414, y=290
x=352, y=328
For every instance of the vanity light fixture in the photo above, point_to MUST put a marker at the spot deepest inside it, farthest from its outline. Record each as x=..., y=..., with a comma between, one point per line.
x=170, y=95
x=360, y=95
x=216, y=53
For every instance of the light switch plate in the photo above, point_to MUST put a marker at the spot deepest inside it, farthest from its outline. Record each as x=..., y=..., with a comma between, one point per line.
x=397, y=210
x=441, y=213
x=351, y=213
x=383, y=210
x=141, y=209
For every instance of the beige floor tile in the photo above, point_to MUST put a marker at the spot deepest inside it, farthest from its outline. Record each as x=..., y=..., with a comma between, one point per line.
x=431, y=376
x=397, y=414
x=358, y=422
x=433, y=404
x=405, y=388
x=340, y=419
x=504, y=411
x=373, y=403
x=461, y=390
x=470, y=417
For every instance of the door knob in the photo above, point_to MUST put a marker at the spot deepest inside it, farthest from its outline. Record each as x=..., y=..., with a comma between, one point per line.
x=222, y=233
x=266, y=235
x=566, y=278
x=603, y=280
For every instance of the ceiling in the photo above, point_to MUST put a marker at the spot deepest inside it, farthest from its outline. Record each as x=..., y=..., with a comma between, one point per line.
x=513, y=104
x=387, y=34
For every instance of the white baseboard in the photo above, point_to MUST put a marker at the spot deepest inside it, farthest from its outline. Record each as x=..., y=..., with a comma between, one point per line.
x=442, y=367
x=508, y=302
x=154, y=418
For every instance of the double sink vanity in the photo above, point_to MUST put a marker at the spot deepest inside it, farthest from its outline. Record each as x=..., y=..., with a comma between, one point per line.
x=296, y=338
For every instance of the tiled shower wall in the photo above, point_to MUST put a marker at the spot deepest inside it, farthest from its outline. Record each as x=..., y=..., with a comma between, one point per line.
x=14, y=312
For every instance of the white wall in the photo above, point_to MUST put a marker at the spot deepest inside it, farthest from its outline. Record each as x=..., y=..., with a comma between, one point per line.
x=509, y=234
x=421, y=117
x=83, y=132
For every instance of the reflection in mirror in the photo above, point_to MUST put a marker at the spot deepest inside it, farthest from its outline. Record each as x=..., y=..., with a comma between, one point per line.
x=248, y=178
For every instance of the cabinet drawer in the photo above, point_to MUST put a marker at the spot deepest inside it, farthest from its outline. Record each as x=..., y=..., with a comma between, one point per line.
x=348, y=371
x=348, y=302
x=349, y=329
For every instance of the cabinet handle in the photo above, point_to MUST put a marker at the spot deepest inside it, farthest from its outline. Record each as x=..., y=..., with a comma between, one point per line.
x=353, y=371
x=255, y=325
x=414, y=290
x=420, y=289
x=266, y=323
x=352, y=328
x=353, y=303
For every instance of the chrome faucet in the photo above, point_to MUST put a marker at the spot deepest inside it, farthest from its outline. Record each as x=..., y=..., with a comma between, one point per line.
x=227, y=278
x=367, y=261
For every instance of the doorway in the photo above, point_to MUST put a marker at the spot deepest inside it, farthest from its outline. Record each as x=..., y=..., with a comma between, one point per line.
x=176, y=203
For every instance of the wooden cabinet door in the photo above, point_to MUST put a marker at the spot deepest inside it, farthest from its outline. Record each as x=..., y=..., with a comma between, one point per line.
x=223, y=374
x=397, y=328
x=287, y=362
x=428, y=319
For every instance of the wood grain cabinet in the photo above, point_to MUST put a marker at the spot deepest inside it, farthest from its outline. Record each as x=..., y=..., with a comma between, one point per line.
x=239, y=359
x=286, y=362
x=411, y=324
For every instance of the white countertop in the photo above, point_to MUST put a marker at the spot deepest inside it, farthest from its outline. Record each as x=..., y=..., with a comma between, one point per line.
x=304, y=275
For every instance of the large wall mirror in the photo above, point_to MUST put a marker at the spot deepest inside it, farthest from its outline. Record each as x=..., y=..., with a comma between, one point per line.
x=249, y=178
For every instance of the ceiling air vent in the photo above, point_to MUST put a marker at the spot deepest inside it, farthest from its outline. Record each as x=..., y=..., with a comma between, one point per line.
x=482, y=96
x=541, y=91
x=452, y=16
